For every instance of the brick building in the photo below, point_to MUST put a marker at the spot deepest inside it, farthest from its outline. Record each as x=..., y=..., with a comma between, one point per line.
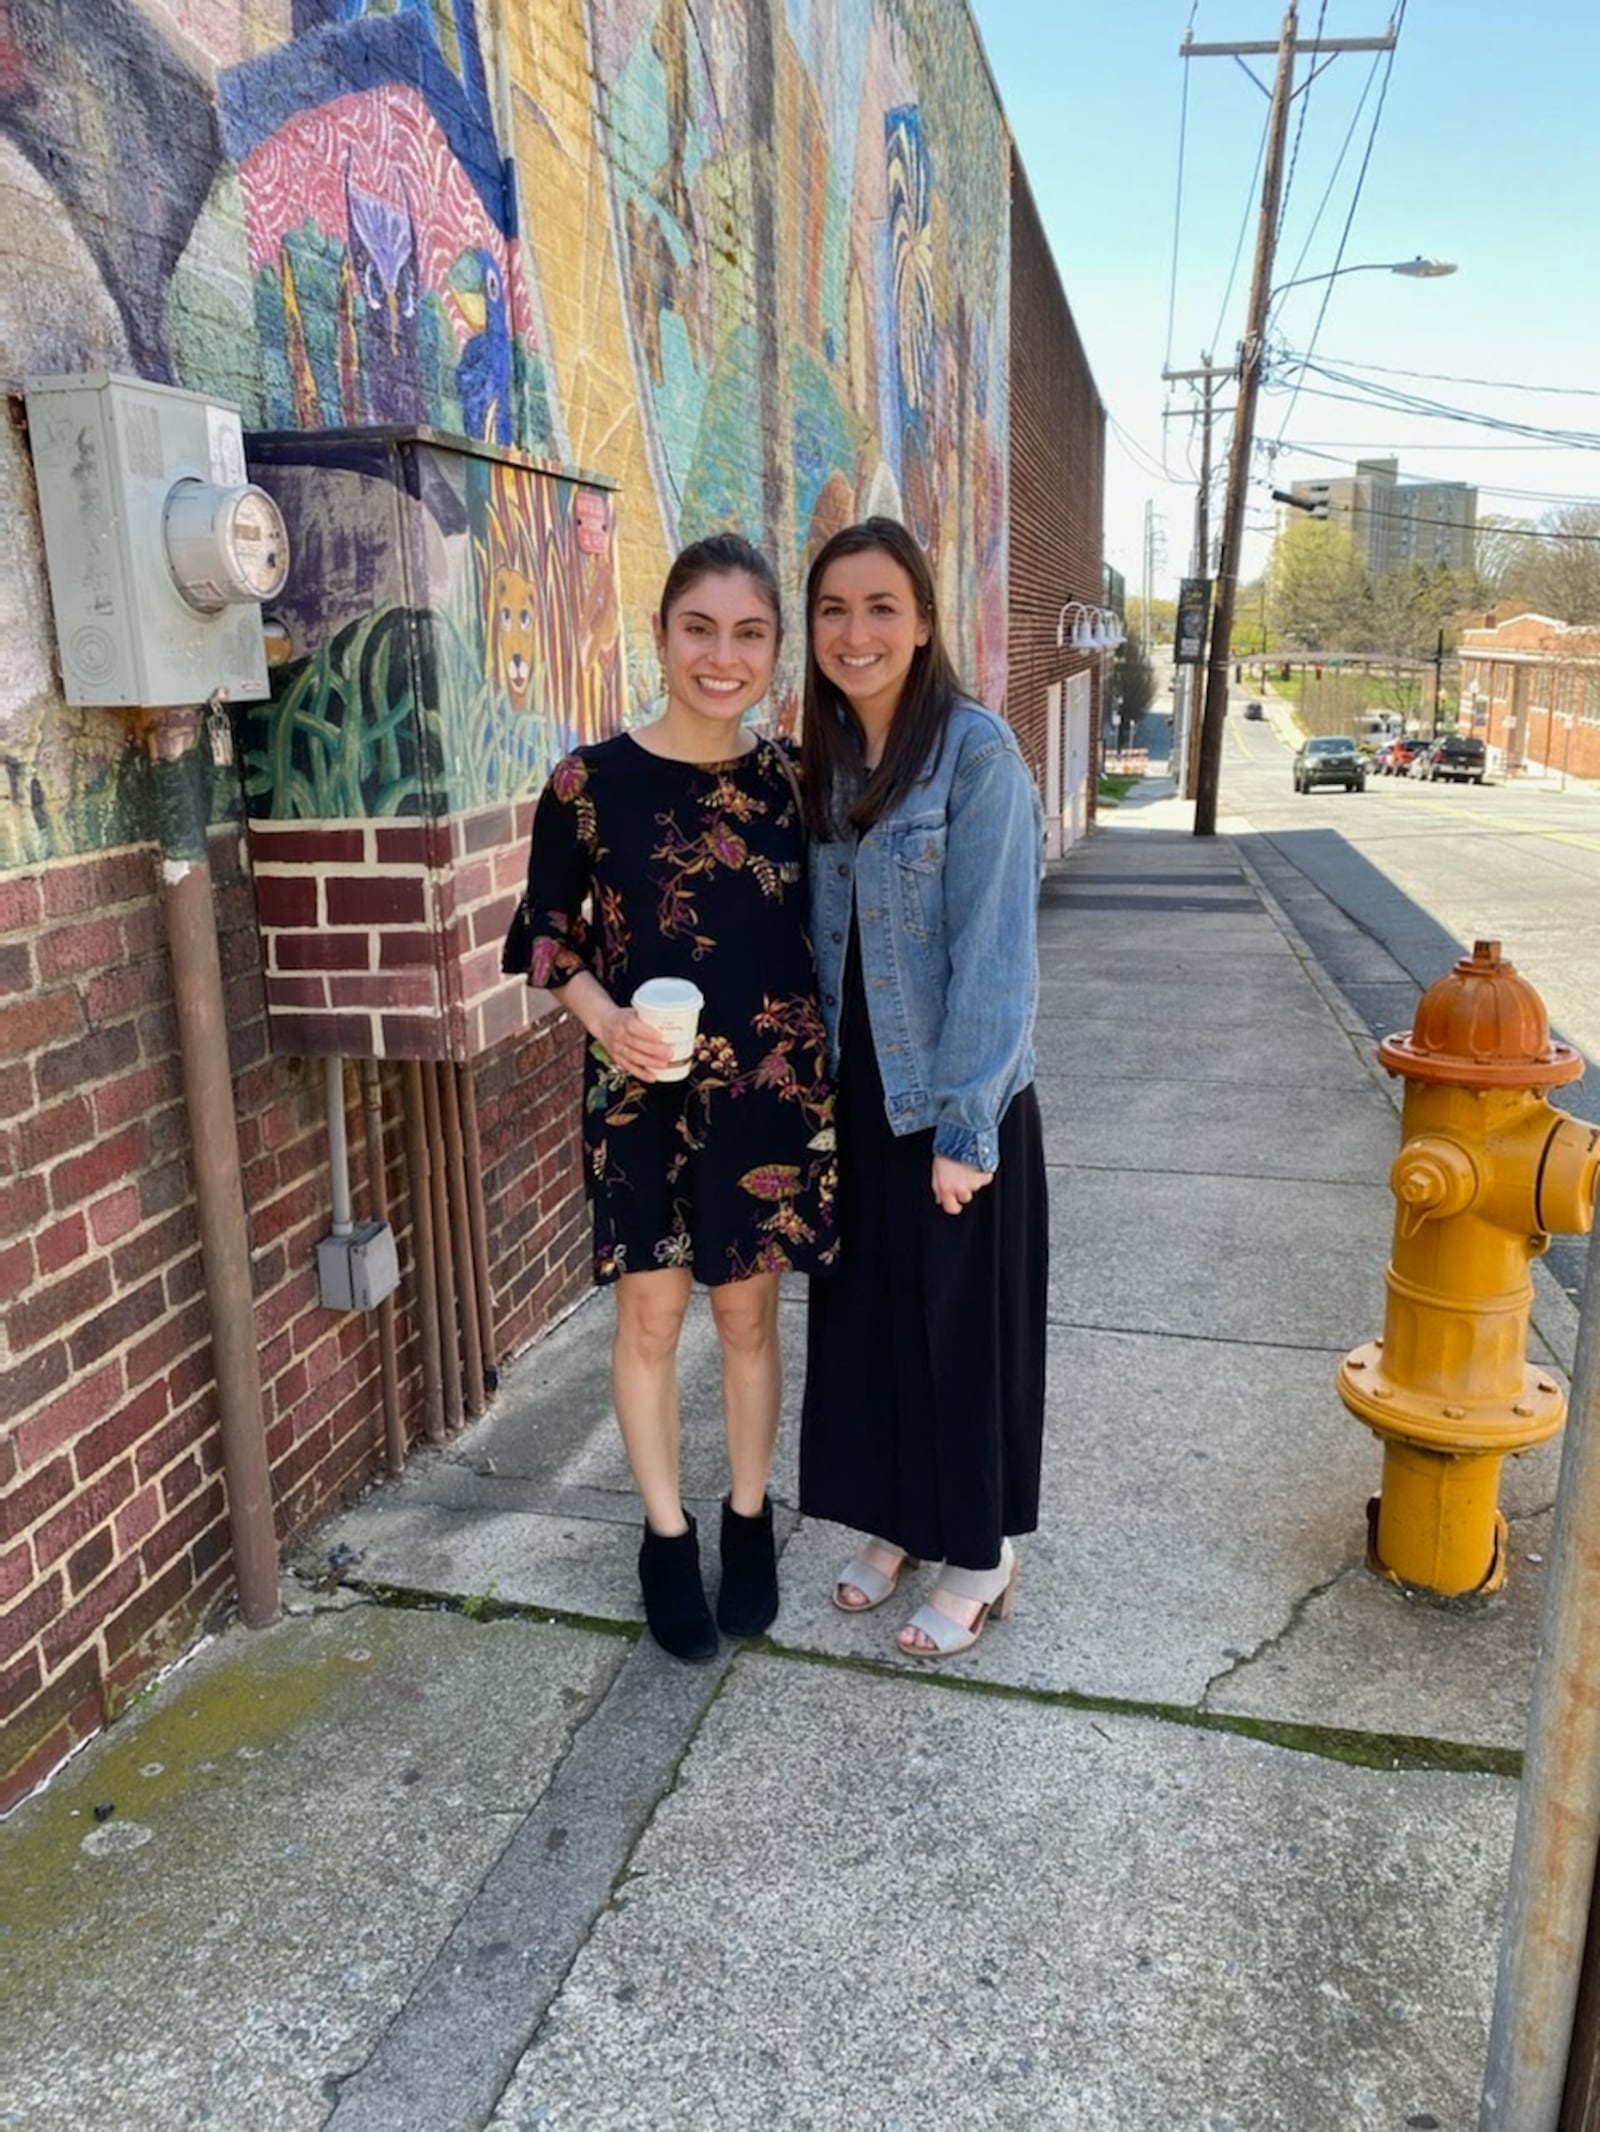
x=506, y=324
x=1531, y=688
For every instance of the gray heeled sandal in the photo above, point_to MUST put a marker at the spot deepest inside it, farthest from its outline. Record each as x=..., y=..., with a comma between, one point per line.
x=994, y=1590
x=874, y=1585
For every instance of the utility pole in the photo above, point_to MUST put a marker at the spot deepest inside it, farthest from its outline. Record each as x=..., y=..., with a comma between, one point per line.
x=1288, y=48
x=1200, y=561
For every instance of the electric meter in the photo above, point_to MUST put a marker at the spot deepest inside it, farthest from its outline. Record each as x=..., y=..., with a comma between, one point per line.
x=225, y=545
x=160, y=549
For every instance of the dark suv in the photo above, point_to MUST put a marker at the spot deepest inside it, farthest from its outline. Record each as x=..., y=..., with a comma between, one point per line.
x=1457, y=755
x=1330, y=759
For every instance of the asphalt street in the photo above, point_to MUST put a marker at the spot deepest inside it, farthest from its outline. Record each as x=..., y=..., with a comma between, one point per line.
x=1419, y=871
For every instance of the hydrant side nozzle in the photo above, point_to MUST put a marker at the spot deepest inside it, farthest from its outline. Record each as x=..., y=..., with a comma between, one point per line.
x=1432, y=1177
x=1568, y=1174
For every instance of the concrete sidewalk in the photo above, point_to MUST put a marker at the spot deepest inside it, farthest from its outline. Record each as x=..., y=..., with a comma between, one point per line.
x=1211, y=1837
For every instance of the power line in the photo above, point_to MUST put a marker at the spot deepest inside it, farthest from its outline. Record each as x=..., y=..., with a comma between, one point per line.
x=1244, y=227
x=1445, y=377
x=1470, y=525
x=1566, y=439
x=1341, y=457
x=1333, y=175
x=1300, y=127
x=1144, y=460
x=1361, y=178
x=1177, y=205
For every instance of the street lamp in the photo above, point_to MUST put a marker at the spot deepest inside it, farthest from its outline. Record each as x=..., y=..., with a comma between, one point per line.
x=1250, y=363
x=1418, y=269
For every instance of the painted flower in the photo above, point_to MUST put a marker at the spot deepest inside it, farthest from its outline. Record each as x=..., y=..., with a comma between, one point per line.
x=674, y=1251
x=730, y=849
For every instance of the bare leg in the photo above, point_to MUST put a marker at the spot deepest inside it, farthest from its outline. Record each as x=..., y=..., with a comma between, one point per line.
x=746, y=1314
x=644, y=1386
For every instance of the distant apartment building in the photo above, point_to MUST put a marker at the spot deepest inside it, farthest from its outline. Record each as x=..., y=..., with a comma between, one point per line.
x=1396, y=523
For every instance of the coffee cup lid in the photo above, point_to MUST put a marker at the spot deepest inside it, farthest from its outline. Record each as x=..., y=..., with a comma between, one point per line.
x=668, y=992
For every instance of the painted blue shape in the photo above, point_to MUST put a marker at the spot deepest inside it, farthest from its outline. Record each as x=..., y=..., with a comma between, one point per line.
x=259, y=97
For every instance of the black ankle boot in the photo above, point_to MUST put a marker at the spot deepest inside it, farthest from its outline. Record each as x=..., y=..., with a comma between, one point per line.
x=748, y=1599
x=675, y=1607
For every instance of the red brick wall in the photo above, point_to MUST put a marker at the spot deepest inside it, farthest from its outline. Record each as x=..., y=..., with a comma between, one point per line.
x=1057, y=474
x=113, y=1525
x=382, y=938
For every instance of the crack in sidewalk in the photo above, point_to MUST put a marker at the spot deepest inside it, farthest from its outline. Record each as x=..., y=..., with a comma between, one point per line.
x=1279, y=1637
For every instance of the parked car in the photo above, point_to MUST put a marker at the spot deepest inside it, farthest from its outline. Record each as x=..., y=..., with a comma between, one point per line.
x=1330, y=759
x=1461, y=756
x=1254, y=710
x=1403, y=753
x=1383, y=760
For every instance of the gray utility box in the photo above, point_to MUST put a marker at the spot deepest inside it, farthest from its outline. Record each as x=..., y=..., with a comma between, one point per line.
x=356, y=1272
x=158, y=547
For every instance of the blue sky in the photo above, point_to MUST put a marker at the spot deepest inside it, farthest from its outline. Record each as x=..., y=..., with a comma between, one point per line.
x=1487, y=153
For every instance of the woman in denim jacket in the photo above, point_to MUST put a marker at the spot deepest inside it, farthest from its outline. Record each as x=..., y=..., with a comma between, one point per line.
x=924, y=1401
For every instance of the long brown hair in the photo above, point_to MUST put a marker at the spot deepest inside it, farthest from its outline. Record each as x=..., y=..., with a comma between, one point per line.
x=833, y=742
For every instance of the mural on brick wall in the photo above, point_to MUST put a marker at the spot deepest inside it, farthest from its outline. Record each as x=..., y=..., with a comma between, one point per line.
x=506, y=655
x=388, y=284
x=881, y=385
x=749, y=263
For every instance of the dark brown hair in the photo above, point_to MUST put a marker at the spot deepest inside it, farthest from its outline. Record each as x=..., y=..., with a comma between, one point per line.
x=832, y=745
x=719, y=555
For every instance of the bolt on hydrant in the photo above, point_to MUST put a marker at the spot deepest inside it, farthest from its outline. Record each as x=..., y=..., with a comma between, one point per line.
x=1488, y=1172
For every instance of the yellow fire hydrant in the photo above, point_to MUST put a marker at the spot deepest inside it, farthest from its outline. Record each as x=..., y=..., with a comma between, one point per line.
x=1488, y=1172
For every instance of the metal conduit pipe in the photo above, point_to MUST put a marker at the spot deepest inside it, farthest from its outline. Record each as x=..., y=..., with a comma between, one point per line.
x=394, y=1435
x=461, y=1240
x=338, y=1147
x=443, y=1255
x=214, y=1141
x=424, y=1271
x=477, y=1208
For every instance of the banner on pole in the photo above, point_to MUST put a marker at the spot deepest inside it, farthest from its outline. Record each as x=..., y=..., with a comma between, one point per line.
x=1194, y=611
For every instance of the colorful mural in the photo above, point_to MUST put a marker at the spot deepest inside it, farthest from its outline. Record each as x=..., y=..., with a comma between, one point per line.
x=461, y=632
x=749, y=263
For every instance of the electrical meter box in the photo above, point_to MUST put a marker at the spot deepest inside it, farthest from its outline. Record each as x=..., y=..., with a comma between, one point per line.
x=159, y=548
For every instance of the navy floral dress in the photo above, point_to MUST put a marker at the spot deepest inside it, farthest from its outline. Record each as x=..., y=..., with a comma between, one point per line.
x=643, y=867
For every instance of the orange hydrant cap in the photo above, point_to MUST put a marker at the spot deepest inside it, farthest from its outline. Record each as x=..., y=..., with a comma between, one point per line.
x=1482, y=1026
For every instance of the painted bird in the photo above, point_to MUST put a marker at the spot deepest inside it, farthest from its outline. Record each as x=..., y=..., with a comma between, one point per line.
x=483, y=372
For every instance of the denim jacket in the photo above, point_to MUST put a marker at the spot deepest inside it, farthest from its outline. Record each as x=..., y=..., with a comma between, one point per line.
x=946, y=887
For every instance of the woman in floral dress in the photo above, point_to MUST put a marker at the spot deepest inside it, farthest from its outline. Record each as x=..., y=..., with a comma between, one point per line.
x=676, y=850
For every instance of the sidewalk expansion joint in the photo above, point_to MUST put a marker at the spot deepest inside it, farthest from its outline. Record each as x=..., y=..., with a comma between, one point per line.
x=452, y=2049
x=1330, y=1743
x=485, y=1607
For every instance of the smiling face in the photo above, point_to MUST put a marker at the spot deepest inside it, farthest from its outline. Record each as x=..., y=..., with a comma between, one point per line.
x=866, y=630
x=718, y=647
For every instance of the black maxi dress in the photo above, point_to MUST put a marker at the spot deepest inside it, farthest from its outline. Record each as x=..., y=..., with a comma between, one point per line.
x=923, y=1419
x=646, y=867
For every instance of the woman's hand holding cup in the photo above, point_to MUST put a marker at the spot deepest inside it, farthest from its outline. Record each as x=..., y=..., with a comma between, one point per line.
x=656, y=1034
x=632, y=1044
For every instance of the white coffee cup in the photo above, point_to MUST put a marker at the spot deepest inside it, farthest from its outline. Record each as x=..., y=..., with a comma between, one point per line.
x=672, y=1006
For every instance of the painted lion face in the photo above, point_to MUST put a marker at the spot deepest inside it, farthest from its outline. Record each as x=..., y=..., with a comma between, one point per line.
x=511, y=635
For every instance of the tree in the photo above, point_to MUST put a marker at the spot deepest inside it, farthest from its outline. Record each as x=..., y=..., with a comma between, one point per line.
x=1133, y=686
x=1561, y=578
x=1502, y=550
x=1320, y=594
